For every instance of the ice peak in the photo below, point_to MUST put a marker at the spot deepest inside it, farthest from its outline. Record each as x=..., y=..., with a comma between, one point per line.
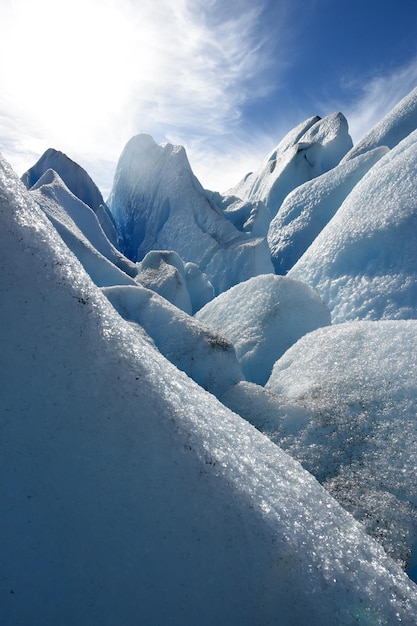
x=73, y=175
x=393, y=128
x=159, y=204
x=313, y=147
x=142, y=149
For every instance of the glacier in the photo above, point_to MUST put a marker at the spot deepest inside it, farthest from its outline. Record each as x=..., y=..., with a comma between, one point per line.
x=393, y=128
x=263, y=317
x=188, y=437
x=158, y=204
x=182, y=284
x=359, y=383
x=363, y=262
x=78, y=225
x=78, y=181
x=205, y=355
x=312, y=148
x=307, y=210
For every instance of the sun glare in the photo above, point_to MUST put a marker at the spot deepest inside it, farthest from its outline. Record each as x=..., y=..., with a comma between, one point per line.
x=72, y=67
x=84, y=76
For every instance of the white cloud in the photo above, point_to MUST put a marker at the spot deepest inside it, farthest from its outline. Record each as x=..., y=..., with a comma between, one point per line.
x=85, y=76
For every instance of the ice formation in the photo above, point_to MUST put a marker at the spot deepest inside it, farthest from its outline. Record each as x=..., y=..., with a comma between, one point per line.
x=252, y=218
x=206, y=356
x=131, y=492
x=306, y=210
x=158, y=204
x=359, y=383
x=131, y=495
x=263, y=317
x=363, y=262
x=78, y=182
x=392, y=129
x=183, y=284
x=312, y=148
x=79, y=228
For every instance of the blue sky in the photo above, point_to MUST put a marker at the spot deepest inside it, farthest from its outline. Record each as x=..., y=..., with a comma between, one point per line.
x=226, y=80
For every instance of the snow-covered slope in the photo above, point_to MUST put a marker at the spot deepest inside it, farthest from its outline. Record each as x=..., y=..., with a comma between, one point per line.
x=358, y=382
x=74, y=176
x=306, y=210
x=78, y=182
x=263, y=317
x=207, y=357
x=363, y=264
x=68, y=213
x=158, y=204
x=129, y=495
x=393, y=128
x=312, y=148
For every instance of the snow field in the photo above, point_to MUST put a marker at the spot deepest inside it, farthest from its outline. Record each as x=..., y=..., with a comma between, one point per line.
x=131, y=495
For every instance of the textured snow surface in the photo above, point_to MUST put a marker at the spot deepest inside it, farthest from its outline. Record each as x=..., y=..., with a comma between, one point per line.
x=393, y=128
x=263, y=317
x=129, y=495
x=359, y=383
x=77, y=224
x=306, y=210
x=203, y=354
x=313, y=147
x=160, y=205
x=363, y=263
x=183, y=284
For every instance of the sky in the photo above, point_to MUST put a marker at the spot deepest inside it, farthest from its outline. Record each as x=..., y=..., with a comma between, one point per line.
x=225, y=80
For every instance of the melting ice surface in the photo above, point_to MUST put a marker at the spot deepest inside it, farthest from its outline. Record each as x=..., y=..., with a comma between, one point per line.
x=130, y=493
x=359, y=383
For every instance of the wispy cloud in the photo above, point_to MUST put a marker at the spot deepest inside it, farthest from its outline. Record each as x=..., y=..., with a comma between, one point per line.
x=366, y=100
x=85, y=78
